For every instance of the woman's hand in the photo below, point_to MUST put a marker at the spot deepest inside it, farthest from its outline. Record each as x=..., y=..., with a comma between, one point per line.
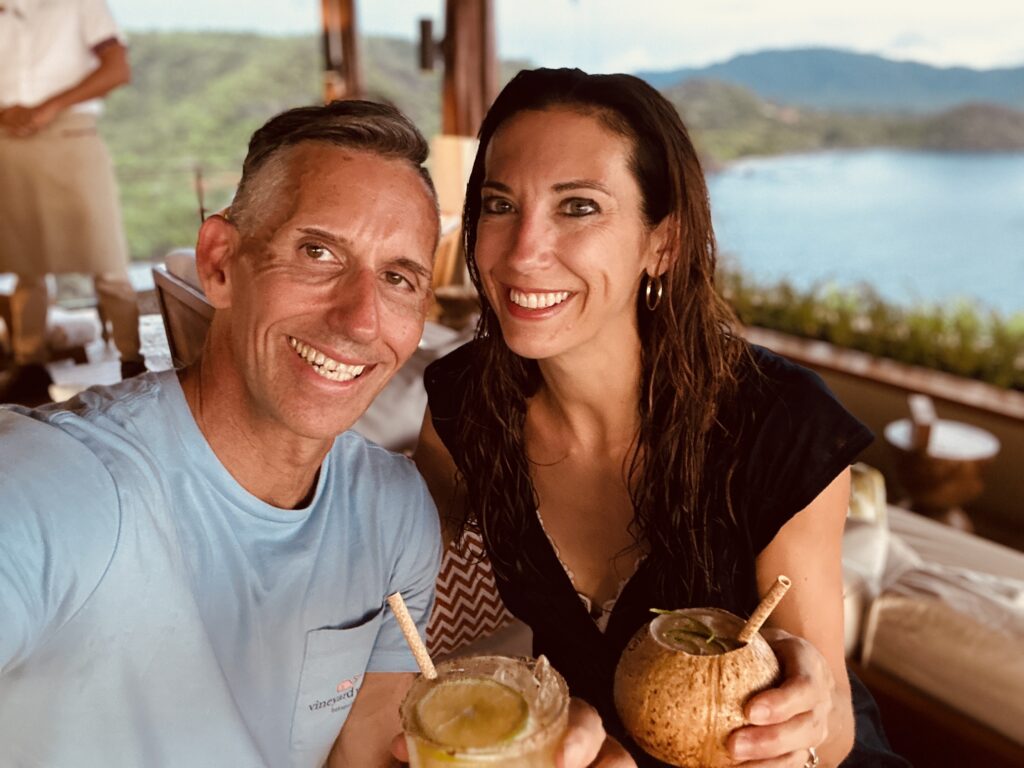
x=788, y=720
x=585, y=743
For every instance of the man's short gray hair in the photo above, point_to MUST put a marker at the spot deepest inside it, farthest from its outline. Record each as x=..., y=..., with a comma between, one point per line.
x=354, y=124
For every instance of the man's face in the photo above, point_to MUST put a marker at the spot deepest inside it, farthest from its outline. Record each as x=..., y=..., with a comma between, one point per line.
x=330, y=287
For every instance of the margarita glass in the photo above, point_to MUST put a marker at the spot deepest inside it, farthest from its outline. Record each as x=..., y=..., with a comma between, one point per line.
x=485, y=711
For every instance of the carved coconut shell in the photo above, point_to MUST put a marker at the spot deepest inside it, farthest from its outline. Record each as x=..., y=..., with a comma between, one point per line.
x=680, y=707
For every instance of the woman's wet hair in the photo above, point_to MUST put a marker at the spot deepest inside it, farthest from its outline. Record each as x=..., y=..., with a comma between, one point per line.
x=690, y=352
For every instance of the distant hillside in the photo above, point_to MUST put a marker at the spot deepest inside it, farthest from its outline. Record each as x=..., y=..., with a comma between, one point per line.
x=195, y=99
x=729, y=121
x=981, y=127
x=825, y=78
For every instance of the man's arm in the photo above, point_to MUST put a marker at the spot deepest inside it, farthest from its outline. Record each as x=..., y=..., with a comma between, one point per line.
x=113, y=71
x=56, y=535
x=365, y=739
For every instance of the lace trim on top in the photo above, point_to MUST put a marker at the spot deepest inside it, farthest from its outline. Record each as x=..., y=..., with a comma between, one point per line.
x=599, y=613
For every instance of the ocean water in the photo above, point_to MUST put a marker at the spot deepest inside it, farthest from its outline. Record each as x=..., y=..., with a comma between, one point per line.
x=919, y=227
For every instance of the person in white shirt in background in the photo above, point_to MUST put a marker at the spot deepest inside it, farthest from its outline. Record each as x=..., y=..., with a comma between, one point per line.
x=60, y=211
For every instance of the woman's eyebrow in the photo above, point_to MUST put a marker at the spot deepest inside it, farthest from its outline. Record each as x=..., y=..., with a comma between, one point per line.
x=564, y=186
x=561, y=186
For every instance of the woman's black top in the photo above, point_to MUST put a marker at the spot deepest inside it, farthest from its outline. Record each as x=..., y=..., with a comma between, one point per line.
x=788, y=437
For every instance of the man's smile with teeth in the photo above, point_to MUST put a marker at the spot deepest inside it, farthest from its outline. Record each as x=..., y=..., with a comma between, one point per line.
x=327, y=367
x=537, y=300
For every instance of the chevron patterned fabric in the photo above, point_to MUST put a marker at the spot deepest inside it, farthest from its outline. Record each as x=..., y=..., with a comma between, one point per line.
x=468, y=606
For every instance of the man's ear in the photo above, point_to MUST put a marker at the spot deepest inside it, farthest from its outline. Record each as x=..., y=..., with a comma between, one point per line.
x=217, y=250
x=662, y=246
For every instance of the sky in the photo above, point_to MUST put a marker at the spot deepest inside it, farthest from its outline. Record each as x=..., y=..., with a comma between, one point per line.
x=629, y=35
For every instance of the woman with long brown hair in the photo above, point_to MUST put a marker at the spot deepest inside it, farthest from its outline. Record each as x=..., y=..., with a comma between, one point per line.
x=616, y=443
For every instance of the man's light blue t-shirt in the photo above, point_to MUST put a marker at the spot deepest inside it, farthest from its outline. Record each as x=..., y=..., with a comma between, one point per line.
x=154, y=613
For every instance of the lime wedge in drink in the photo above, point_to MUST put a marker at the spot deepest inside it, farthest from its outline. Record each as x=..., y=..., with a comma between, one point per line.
x=695, y=637
x=472, y=712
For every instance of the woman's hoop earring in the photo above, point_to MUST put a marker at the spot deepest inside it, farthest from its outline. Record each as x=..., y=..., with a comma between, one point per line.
x=653, y=291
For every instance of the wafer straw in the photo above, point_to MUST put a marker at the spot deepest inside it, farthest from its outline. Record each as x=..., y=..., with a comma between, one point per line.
x=764, y=609
x=412, y=635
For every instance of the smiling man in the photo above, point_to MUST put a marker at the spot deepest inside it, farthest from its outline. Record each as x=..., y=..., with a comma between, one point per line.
x=194, y=564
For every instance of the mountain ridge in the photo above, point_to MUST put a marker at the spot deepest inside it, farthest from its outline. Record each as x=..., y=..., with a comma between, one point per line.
x=837, y=79
x=729, y=121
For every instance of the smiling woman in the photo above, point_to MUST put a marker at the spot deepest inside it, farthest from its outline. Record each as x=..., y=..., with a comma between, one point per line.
x=551, y=214
x=614, y=441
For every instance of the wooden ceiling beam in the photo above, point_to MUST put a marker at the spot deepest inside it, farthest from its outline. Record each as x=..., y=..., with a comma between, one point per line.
x=470, y=65
x=342, y=71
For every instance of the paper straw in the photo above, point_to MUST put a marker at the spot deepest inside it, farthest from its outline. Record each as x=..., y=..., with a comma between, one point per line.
x=412, y=636
x=765, y=608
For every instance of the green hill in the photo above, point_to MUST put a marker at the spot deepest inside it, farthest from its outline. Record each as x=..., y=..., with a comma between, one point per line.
x=979, y=127
x=729, y=121
x=195, y=99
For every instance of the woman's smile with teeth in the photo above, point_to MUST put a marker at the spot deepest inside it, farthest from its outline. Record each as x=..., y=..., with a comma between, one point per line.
x=537, y=300
x=327, y=367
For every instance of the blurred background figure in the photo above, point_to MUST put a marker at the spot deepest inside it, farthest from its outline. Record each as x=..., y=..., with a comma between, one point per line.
x=60, y=211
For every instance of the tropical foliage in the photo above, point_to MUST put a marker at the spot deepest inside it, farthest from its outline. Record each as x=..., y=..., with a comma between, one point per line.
x=960, y=338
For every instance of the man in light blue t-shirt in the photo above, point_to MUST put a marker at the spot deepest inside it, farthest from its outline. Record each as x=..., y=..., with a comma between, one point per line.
x=194, y=564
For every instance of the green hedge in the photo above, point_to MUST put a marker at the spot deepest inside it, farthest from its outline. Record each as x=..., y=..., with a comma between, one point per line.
x=959, y=338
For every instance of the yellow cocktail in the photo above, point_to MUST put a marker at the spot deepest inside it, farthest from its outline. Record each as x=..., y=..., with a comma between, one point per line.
x=486, y=711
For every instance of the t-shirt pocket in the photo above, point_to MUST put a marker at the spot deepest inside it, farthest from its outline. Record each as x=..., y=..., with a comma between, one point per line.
x=332, y=673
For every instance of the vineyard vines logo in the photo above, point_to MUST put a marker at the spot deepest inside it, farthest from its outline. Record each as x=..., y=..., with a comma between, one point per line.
x=346, y=690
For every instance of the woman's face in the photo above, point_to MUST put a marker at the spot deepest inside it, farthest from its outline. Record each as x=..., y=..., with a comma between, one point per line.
x=561, y=240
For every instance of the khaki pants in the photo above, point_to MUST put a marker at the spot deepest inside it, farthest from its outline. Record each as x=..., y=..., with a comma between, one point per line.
x=29, y=303
x=59, y=212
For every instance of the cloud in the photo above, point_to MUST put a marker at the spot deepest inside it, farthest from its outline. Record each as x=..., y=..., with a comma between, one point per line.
x=632, y=60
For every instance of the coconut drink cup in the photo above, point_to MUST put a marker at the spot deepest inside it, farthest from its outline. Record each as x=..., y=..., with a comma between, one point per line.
x=684, y=678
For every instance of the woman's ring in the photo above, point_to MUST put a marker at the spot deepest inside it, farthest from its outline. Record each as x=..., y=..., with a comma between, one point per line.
x=812, y=758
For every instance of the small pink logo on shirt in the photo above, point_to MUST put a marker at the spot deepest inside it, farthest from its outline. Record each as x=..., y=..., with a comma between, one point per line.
x=345, y=685
x=345, y=694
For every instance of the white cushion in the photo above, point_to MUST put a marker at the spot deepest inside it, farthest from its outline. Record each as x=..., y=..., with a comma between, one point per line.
x=950, y=620
x=865, y=553
x=959, y=658
x=865, y=548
